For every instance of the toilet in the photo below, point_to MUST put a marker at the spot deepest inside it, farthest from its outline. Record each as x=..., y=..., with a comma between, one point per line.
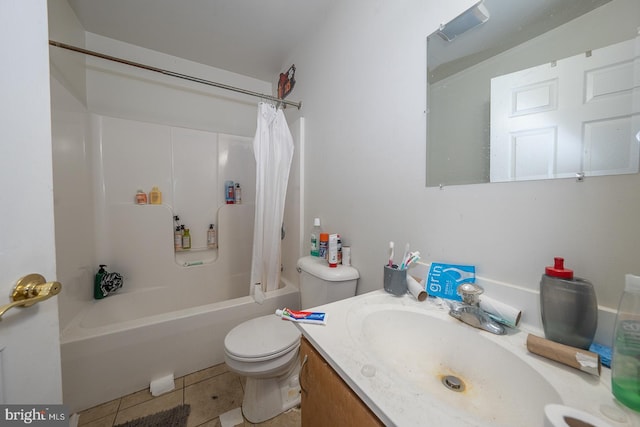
x=265, y=349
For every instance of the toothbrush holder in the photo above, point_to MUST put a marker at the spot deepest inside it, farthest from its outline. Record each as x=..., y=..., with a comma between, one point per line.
x=395, y=280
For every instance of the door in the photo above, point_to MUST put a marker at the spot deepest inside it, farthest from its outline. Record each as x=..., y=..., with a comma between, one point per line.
x=575, y=115
x=29, y=337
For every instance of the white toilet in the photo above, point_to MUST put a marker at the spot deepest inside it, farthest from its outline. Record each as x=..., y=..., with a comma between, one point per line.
x=265, y=349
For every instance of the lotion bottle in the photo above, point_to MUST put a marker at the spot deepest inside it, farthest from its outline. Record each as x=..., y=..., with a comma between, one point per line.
x=568, y=306
x=625, y=364
x=212, y=240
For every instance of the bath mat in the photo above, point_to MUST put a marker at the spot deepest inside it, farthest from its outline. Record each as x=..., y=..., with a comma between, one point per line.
x=175, y=417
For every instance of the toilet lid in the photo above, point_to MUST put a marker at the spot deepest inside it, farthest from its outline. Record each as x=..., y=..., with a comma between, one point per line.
x=262, y=337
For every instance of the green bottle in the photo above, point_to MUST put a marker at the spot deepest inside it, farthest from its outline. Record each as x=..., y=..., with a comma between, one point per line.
x=97, y=292
x=625, y=366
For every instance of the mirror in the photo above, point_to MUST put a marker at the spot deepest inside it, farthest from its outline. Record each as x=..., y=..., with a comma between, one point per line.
x=541, y=90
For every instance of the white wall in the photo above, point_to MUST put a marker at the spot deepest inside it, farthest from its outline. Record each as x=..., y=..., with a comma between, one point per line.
x=66, y=66
x=362, y=81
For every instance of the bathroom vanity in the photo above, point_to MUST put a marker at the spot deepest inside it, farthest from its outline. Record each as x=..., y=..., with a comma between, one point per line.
x=389, y=360
x=326, y=398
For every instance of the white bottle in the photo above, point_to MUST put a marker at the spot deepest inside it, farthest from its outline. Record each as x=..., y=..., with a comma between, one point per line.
x=212, y=239
x=238, y=194
x=177, y=239
x=333, y=251
x=315, y=237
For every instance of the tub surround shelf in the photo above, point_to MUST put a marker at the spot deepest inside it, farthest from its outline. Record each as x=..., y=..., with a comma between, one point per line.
x=396, y=391
x=195, y=256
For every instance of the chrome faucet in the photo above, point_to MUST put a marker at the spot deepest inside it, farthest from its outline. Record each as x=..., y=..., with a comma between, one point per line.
x=469, y=311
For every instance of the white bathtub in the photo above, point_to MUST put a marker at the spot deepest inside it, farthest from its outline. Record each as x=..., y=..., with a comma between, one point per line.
x=119, y=344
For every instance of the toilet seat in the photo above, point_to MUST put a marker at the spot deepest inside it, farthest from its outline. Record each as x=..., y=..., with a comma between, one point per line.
x=262, y=338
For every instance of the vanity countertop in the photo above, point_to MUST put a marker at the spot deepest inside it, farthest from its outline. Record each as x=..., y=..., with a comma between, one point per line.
x=397, y=395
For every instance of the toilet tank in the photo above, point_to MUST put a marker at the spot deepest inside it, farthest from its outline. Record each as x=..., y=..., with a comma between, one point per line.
x=321, y=284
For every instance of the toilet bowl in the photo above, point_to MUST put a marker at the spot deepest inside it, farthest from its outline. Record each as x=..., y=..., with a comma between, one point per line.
x=265, y=349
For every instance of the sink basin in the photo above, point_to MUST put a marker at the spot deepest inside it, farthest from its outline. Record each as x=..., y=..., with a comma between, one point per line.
x=463, y=371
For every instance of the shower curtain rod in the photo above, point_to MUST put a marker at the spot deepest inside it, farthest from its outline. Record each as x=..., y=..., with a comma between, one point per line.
x=174, y=74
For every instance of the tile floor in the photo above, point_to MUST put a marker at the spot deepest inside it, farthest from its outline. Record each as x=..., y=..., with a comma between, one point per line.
x=210, y=393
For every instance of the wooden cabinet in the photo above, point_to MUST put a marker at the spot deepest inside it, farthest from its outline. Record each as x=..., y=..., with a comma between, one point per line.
x=326, y=399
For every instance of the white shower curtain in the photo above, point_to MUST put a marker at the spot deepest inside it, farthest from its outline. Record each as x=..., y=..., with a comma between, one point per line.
x=273, y=149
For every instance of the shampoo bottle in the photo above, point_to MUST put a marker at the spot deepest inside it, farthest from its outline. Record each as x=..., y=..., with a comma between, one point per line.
x=229, y=193
x=186, y=239
x=568, y=306
x=212, y=240
x=177, y=239
x=155, y=196
x=625, y=364
x=97, y=291
x=315, y=237
x=237, y=194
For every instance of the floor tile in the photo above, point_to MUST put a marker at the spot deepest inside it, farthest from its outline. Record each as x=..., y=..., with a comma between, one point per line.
x=291, y=418
x=100, y=422
x=98, y=412
x=205, y=374
x=158, y=404
x=144, y=395
x=212, y=397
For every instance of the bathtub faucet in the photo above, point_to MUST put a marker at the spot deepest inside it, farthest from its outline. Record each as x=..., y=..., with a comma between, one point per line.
x=469, y=311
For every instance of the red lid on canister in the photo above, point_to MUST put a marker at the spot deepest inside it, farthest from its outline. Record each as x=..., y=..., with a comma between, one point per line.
x=558, y=269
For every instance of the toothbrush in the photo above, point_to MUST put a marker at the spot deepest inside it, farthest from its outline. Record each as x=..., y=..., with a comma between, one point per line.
x=391, y=254
x=414, y=256
x=404, y=256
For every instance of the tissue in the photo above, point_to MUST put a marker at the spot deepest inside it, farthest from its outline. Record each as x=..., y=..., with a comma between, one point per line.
x=162, y=385
x=416, y=289
x=501, y=312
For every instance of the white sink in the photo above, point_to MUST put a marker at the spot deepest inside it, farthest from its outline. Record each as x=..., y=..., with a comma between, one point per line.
x=394, y=352
x=425, y=352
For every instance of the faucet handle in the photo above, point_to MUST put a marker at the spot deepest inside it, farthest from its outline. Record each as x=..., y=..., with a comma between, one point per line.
x=470, y=293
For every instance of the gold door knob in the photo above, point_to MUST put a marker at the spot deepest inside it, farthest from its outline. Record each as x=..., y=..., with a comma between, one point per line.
x=29, y=290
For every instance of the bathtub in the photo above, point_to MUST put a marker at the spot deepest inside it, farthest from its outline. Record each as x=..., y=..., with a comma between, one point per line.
x=119, y=344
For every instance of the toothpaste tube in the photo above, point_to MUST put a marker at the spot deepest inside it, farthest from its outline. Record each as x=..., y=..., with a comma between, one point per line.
x=303, y=316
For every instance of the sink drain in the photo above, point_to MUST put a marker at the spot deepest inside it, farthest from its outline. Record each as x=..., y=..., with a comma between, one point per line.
x=453, y=383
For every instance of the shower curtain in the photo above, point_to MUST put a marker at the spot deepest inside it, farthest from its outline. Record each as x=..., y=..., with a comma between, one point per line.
x=273, y=150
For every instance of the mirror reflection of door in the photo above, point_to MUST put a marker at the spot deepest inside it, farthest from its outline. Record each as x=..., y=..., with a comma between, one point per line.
x=574, y=115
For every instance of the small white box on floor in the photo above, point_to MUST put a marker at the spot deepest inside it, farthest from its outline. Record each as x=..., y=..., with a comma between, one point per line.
x=162, y=385
x=231, y=418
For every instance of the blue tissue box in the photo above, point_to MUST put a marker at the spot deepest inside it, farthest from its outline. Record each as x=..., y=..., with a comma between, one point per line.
x=443, y=279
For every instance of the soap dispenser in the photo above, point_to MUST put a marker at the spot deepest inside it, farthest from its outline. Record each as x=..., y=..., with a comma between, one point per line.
x=568, y=306
x=625, y=364
x=97, y=290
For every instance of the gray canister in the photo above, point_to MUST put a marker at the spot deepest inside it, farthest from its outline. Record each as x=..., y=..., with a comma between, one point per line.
x=395, y=280
x=568, y=306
